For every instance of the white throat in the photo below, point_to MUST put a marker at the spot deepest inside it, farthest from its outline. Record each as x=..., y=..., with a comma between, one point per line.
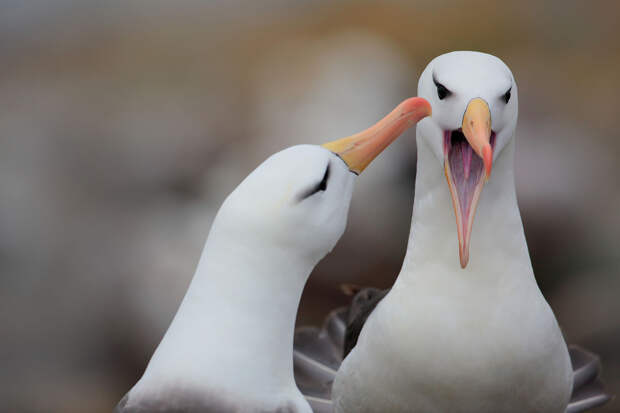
x=497, y=241
x=447, y=330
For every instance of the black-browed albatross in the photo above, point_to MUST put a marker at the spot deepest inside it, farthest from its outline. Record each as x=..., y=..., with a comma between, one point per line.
x=472, y=334
x=230, y=346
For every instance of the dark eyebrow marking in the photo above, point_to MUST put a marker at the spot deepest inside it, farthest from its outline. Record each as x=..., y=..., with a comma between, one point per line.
x=321, y=186
x=442, y=91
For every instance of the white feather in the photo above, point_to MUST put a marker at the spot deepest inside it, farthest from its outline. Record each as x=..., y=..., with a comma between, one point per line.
x=232, y=337
x=446, y=339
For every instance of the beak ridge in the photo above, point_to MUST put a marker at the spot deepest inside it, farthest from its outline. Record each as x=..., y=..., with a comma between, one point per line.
x=477, y=130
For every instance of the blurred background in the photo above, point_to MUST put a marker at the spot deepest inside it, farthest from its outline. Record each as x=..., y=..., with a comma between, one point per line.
x=124, y=125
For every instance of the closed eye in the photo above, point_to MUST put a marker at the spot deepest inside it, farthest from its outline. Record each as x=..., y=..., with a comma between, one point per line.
x=318, y=187
x=506, y=96
x=442, y=91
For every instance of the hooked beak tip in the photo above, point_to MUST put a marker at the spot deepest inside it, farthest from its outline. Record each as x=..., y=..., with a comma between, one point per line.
x=487, y=158
x=464, y=252
x=417, y=106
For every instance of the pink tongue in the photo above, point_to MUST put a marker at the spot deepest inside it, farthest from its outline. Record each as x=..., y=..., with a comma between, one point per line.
x=466, y=171
x=467, y=160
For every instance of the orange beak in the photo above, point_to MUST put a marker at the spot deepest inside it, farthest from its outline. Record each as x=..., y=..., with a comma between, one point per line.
x=358, y=150
x=477, y=129
x=466, y=174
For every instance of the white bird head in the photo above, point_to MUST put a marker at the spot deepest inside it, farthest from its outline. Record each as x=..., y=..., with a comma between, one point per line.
x=475, y=105
x=298, y=199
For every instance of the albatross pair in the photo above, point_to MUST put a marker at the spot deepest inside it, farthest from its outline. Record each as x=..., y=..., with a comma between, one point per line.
x=230, y=345
x=453, y=335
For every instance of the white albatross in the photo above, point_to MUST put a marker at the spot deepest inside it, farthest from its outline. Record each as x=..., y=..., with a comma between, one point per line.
x=230, y=346
x=472, y=334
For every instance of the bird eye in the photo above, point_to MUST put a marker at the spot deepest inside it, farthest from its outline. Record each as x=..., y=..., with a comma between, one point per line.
x=323, y=184
x=506, y=96
x=319, y=187
x=442, y=91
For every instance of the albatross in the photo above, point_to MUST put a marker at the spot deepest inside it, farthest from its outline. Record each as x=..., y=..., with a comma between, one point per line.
x=230, y=346
x=465, y=327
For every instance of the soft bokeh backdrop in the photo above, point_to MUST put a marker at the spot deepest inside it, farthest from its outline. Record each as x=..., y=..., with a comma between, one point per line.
x=124, y=125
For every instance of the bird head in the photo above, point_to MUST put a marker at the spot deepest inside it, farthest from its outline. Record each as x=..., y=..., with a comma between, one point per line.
x=298, y=199
x=475, y=106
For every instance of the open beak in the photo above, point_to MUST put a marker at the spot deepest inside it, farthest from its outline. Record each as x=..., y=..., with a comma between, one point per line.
x=466, y=174
x=358, y=150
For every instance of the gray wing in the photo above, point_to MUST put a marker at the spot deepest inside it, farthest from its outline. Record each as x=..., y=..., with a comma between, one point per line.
x=318, y=353
x=588, y=389
x=363, y=303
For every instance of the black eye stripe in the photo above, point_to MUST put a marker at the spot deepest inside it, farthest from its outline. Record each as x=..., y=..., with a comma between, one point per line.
x=442, y=91
x=323, y=183
x=506, y=96
x=321, y=186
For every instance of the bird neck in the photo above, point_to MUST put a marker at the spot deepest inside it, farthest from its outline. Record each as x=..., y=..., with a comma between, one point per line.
x=498, y=247
x=237, y=319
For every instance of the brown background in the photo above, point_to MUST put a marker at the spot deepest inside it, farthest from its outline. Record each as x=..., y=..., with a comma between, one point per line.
x=123, y=126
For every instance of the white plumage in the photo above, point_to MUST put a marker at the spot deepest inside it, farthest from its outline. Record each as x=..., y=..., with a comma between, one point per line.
x=230, y=345
x=448, y=339
x=230, y=342
x=465, y=327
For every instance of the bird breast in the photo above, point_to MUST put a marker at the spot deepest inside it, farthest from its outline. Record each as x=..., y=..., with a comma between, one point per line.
x=493, y=354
